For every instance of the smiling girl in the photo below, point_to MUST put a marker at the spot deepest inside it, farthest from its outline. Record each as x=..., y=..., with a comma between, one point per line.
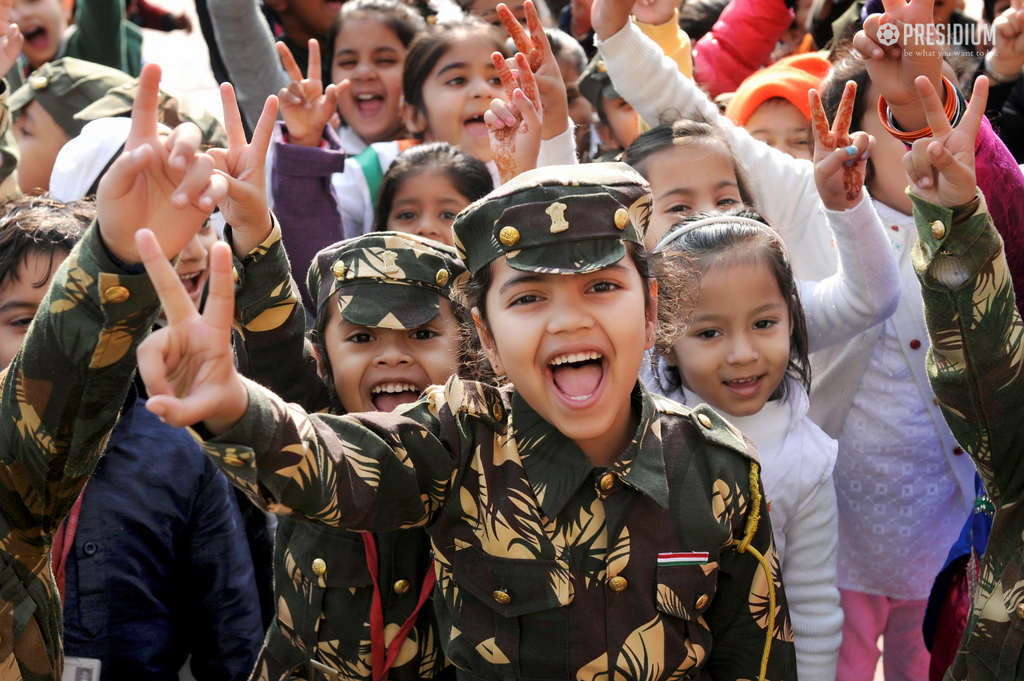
x=581, y=527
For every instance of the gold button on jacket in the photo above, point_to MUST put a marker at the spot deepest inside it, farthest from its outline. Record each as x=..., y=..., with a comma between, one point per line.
x=618, y=584
x=319, y=567
x=938, y=229
x=402, y=587
x=116, y=294
x=502, y=597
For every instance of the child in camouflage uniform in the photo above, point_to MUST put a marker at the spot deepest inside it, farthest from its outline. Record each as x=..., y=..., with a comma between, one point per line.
x=582, y=527
x=974, y=366
x=63, y=390
x=385, y=330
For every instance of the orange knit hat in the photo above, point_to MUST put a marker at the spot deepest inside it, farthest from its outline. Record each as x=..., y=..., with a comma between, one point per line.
x=790, y=78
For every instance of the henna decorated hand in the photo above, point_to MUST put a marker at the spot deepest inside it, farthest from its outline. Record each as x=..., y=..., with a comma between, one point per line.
x=306, y=105
x=514, y=126
x=535, y=46
x=940, y=169
x=242, y=164
x=894, y=68
x=840, y=159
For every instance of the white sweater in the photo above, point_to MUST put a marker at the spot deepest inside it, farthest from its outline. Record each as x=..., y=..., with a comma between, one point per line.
x=783, y=187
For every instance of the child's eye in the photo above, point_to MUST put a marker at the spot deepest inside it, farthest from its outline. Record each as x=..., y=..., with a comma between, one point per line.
x=708, y=334
x=406, y=215
x=679, y=208
x=802, y=142
x=458, y=80
x=604, y=287
x=727, y=202
x=764, y=323
x=21, y=324
x=387, y=62
x=495, y=81
x=448, y=215
x=346, y=64
x=423, y=334
x=524, y=300
x=361, y=337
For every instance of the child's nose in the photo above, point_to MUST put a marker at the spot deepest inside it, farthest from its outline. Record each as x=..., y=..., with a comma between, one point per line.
x=432, y=229
x=742, y=350
x=194, y=250
x=568, y=316
x=393, y=352
x=363, y=71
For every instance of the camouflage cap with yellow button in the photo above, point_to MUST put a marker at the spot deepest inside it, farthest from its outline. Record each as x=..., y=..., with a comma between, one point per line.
x=595, y=82
x=66, y=86
x=557, y=219
x=385, y=279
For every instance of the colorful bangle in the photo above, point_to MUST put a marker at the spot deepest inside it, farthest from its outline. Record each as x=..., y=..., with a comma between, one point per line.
x=952, y=109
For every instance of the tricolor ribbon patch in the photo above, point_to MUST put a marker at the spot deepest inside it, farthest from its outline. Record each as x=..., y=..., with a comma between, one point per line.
x=683, y=558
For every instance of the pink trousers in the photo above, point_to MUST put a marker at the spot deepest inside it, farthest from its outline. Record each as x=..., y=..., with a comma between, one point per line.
x=868, y=617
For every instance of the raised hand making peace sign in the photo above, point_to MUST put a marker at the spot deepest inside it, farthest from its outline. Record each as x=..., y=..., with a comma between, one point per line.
x=306, y=105
x=166, y=185
x=940, y=169
x=188, y=366
x=514, y=127
x=554, y=103
x=840, y=159
x=242, y=165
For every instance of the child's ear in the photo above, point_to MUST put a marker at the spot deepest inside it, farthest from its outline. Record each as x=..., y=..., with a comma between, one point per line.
x=488, y=343
x=415, y=122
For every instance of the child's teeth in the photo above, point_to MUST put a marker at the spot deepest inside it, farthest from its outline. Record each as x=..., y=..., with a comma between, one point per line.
x=394, y=388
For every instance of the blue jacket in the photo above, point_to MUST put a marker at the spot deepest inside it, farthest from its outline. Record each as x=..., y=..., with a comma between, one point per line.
x=160, y=568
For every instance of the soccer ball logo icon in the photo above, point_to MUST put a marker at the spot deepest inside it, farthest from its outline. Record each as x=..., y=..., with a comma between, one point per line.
x=888, y=34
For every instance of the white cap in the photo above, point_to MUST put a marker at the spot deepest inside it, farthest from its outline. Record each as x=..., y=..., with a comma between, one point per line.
x=82, y=160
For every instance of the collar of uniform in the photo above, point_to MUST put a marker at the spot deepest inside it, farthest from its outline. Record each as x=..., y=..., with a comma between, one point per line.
x=556, y=467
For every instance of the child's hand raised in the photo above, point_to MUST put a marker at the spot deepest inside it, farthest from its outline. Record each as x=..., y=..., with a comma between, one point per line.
x=609, y=16
x=166, y=186
x=188, y=366
x=11, y=38
x=940, y=169
x=535, y=46
x=245, y=207
x=1007, y=56
x=514, y=127
x=840, y=159
x=893, y=68
x=306, y=106
x=654, y=12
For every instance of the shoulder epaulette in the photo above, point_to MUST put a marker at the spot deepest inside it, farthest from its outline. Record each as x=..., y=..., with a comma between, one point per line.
x=717, y=430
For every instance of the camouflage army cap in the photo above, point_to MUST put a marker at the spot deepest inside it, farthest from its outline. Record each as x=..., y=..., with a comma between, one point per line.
x=595, y=82
x=557, y=219
x=66, y=86
x=174, y=110
x=385, y=279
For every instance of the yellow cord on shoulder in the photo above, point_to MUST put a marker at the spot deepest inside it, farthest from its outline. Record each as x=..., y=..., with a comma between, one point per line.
x=743, y=546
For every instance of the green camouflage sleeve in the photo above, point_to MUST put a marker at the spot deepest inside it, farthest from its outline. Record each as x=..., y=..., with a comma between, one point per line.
x=61, y=398
x=975, y=360
x=271, y=326
x=328, y=469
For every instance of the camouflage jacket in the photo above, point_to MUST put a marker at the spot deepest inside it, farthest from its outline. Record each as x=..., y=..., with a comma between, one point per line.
x=322, y=584
x=61, y=398
x=976, y=367
x=547, y=567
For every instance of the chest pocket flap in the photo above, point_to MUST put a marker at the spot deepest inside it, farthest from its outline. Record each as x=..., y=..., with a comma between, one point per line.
x=512, y=586
x=329, y=558
x=686, y=591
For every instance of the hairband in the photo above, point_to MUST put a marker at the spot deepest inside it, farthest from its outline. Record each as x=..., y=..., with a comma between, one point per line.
x=718, y=219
